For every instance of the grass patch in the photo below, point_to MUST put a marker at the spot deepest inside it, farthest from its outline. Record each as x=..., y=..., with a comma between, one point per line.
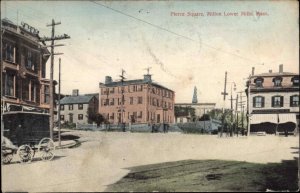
x=209, y=175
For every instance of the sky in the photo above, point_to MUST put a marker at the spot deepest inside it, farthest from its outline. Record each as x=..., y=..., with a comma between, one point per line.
x=183, y=51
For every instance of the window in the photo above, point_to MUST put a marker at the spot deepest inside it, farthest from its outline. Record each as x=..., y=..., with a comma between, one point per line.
x=140, y=114
x=30, y=60
x=70, y=107
x=80, y=116
x=112, y=102
x=131, y=100
x=277, y=81
x=140, y=88
x=277, y=101
x=258, y=101
x=62, y=107
x=47, y=94
x=25, y=90
x=33, y=86
x=9, y=85
x=295, y=81
x=80, y=106
x=112, y=116
x=294, y=101
x=140, y=100
x=62, y=117
x=9, y=53
x=259, y=82
x=112, y=90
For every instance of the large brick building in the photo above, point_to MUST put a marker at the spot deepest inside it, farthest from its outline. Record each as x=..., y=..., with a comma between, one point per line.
x=136, y=101
x=24, y=87
x=273, y=101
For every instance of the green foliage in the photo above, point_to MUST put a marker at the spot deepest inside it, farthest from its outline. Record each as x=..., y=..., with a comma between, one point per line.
x=96, y=117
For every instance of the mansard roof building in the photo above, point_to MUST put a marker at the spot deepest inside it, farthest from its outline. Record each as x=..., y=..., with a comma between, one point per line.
x=274, y=102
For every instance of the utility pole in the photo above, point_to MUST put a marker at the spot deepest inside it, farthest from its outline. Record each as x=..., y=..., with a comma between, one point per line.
x=59, y=132
x=223, y=110
x=2, y=89
x=231, y=107
x=237, y=115
x=122, y=100
x=52, y=39
x=248, y=105
x=242, y=108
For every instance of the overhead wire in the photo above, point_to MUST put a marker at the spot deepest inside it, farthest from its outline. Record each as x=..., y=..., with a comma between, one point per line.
x=177, y=34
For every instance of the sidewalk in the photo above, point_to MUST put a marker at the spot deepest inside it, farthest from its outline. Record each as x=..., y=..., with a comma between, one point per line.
x=65, y=144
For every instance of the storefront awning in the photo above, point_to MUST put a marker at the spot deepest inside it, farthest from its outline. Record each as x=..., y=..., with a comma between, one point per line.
x=262, y=118
x=288, y=117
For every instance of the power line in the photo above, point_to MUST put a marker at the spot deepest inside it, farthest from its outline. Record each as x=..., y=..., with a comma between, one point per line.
x=177, y=34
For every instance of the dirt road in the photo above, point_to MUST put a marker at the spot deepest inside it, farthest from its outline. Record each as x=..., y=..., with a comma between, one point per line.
x=102, y=158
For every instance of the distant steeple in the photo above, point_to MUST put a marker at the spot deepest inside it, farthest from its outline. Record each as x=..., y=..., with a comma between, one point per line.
x=195, y=99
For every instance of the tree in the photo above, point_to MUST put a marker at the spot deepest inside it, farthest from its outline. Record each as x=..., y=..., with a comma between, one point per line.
x=185, y=111
x=95, y=117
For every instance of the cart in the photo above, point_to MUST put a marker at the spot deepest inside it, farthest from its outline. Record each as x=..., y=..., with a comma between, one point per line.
x=30, y=140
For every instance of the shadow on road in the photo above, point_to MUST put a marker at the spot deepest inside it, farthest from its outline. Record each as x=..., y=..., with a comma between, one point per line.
x=210, y=175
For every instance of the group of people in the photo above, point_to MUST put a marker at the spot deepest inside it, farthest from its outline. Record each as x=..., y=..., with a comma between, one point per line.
x=154, y=128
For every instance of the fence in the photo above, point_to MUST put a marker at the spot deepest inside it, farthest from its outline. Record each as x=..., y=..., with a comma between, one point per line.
x=146, y=128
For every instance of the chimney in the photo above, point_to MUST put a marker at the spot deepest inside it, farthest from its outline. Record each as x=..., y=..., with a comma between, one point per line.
x=108, y=79
x=147, y=77
x=281, y=68
x=270, y=71
x=75, y=92
x=253, y=71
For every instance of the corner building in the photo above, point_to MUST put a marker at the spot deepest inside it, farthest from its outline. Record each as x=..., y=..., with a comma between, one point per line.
x=136, y=101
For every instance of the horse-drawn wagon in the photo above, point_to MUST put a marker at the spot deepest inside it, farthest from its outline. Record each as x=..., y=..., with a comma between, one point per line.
x=26, y=134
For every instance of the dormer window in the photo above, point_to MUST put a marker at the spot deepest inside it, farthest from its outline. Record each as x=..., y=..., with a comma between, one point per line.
x=259, y=82
x=295, y=81
x=277, y=81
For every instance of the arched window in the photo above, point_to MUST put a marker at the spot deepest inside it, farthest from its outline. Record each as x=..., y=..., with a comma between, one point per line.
x=277, y=101
x=259, y=82
x=258, y=101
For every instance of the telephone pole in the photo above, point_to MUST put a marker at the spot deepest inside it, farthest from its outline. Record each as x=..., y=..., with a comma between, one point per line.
x=223, y=112
x=122, y=100
x=58, y=113
x=52, y=39
x=242, y=108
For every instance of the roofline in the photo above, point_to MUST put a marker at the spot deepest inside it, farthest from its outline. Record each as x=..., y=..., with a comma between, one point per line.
x=273, y=74
x=198, y=104
x=25, y=112
x=129, y=82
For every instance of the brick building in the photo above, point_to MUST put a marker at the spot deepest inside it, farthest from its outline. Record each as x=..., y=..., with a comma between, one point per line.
x=24, y=87
x=142, y=101
x=274, y=101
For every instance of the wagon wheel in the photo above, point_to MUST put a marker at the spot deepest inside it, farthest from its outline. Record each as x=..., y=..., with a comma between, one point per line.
x=6, y=157
x=25, y=153
x=46, y=147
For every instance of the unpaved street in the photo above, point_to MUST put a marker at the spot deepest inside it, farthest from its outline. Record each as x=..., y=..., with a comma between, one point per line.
x=102, y=158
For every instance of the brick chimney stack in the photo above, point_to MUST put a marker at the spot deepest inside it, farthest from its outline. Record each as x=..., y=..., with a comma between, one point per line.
x=281, y=68
x=75, y=92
